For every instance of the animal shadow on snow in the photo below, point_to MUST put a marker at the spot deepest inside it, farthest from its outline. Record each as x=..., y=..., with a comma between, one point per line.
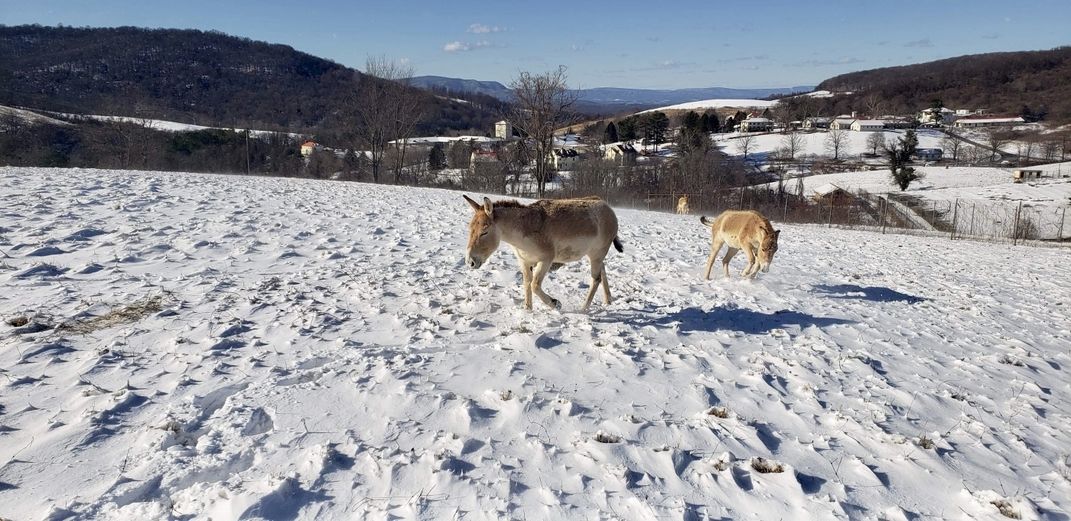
x=724, y=318
x=872, y=293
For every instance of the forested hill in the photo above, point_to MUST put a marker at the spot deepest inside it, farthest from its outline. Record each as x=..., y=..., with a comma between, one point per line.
x=1002, y=82
x=191, y=76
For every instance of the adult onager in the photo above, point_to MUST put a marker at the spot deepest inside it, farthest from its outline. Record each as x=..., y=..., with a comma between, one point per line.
x=682, y=206
x=545, y=235
x=742, y=230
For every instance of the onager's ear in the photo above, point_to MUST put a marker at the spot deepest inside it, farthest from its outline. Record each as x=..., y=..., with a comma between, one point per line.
x=776, y=234
x=488, y=207
x=475, y=206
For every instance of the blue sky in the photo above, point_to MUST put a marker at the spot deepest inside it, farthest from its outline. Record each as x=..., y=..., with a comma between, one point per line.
x=622, y=44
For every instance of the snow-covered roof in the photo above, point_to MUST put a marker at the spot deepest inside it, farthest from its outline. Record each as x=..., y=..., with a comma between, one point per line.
x=827, y=189
x=756, y=120
x=868, y=122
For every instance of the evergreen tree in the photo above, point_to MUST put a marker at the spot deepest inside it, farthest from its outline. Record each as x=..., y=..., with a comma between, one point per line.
x=437, y=158
x=900, y=157
x=611, y=133
x=626, y=129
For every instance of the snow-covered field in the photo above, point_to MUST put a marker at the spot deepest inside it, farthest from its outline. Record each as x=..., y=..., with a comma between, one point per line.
x=231, y=347
x=961, y=182
x=716, y=104
x=814, y=143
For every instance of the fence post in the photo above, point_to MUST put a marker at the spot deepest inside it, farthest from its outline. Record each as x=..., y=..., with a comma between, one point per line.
x=1063, y=216
x=784, y=215
x=973, y=206
x=884, y=211
x=1015, y=229
x=831, y=199
x=741, y=205
x=955, y=215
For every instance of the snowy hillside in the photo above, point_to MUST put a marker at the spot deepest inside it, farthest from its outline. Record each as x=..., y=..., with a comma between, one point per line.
x=716, y=104
x=193, y=346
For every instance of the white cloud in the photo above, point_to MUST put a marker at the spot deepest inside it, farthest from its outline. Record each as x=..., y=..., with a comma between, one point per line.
x=484, y=29
x=457, y=46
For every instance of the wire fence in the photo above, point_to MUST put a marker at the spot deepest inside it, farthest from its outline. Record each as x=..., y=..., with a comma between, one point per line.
x=1016, y=222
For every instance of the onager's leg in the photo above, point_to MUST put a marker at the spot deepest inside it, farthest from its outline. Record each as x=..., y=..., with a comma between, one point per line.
x=526, y=275
x=714, y=248
x=541, y=270
x=596, y=279
x=752, y=263
x=728, y=257
x=605, y=286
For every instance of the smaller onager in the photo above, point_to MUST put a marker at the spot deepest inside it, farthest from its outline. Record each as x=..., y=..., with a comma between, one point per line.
x=682, y=206
x=744, y=230
x=545, y=235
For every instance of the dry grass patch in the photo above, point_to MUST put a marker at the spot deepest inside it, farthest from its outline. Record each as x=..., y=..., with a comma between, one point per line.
x=1005, y=508
x=18, y=321
x=765, y=466
x=719, y=412
x=603, y=437
x=131, y=312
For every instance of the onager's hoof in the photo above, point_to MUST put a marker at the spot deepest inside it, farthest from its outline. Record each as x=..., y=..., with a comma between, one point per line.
x=556, y=303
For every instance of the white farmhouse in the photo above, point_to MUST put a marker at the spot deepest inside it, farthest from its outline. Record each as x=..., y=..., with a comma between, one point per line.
x=867, y=125
x=841, y=123
x=756, y=125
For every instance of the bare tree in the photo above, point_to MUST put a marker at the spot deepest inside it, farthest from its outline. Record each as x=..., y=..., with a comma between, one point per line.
x=837, y=142
x=744, y=144
x=875, y=142
x=792, y=143
x=952, y=144
x=873, y=105
x=994, y=139
x=543, y=103
x=385, y=108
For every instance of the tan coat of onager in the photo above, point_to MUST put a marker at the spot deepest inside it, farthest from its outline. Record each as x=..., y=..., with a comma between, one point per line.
x=682, y=206
x=544, y=235
x=742, y=230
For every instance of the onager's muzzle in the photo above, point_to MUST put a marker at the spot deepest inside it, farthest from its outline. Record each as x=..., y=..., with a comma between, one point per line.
x=473, y=261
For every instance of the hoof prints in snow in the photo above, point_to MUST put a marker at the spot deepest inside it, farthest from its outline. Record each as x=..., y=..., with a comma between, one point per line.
x=278, y=380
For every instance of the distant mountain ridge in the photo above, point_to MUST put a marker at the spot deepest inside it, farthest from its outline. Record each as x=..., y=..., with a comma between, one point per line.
x=189, y=76
x=609, y=95
x=1002, y=82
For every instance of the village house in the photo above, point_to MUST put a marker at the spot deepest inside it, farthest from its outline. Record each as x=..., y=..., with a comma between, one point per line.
x=867, y=125
x=987, y=121
x=564, y=158
x=623, y=153
x=841, y=123
x=932, y=116
x=897, y=121
x=503, y=130
x=756, y=125
x=816, y=123
x=307, y=148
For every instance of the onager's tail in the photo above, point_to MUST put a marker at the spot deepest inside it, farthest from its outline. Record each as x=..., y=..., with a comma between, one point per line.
x=704, y=220
x=617, y=244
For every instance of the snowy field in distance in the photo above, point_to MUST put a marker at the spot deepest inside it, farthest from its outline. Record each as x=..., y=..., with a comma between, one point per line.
x=205, y=346
x=959, y=182
x=814, y=143
x=716, y=104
